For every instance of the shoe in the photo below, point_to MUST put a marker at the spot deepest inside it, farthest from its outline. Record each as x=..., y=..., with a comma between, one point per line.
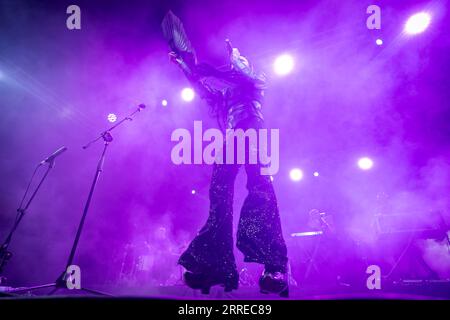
x=274, y=282
x=204, y=282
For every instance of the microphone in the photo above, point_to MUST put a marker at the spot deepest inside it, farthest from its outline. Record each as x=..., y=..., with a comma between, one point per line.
x=52, y=157
x=141, y=106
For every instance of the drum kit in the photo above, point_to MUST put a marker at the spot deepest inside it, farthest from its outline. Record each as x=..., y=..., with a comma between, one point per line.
x=154, y=265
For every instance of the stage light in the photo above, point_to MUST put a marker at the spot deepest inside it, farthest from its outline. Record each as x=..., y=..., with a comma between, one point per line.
x=365, y=163
x=315, y=174
x=379, y=42
x=193, y=191
x=112, y=117
x=187, y=94
x=417, y=23
x=164, y=103
x=296, y=174
x=283, y=64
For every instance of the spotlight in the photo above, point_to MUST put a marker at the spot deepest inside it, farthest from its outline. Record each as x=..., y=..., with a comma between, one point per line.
x=379, y=42
x=112, y=117
x=365, y=163
x=193, y=191
x=315, y=174
x=164, y=103
x=187, y=94
x=296, y=174
x=283, y=64
x=417, y=23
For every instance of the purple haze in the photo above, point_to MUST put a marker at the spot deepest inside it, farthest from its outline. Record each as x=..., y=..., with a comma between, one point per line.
x=346, y=98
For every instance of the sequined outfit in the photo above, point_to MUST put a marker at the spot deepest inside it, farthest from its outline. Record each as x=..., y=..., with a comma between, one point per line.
x=259, y=234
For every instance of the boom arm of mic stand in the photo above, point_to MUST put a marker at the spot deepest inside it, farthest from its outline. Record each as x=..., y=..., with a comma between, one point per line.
x=106, y=134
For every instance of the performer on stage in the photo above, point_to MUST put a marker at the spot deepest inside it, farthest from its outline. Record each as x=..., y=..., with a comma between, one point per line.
x=209, y=259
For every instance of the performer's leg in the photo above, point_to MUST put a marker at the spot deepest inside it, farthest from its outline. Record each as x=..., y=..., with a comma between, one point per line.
x=259, y=234
x=211, y=251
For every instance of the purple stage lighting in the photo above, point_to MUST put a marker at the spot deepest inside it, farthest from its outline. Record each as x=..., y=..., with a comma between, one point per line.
x=193, y=191
x=379, y=42
x=187, y=94
x=296, y=174
x=283, y=64
x=112, y=117
x=365, y=163
x=164, y=103
x=316, y=174
x=417, y=23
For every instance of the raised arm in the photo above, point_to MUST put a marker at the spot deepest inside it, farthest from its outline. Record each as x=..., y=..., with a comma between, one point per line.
x=195, y=73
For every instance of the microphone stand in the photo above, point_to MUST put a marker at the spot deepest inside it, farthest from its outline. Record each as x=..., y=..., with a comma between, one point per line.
x=6, y=255
x=61, y=281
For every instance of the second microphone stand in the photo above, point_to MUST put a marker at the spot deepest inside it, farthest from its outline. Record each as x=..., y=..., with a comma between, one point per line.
x=5, y=254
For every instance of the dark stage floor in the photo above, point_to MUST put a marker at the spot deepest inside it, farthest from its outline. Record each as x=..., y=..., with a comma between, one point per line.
x=416, y=291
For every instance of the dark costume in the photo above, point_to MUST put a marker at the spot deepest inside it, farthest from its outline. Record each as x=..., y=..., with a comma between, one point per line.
x=259, y=235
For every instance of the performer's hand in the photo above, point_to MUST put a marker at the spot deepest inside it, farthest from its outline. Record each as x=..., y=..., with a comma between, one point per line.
x=175, y=58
